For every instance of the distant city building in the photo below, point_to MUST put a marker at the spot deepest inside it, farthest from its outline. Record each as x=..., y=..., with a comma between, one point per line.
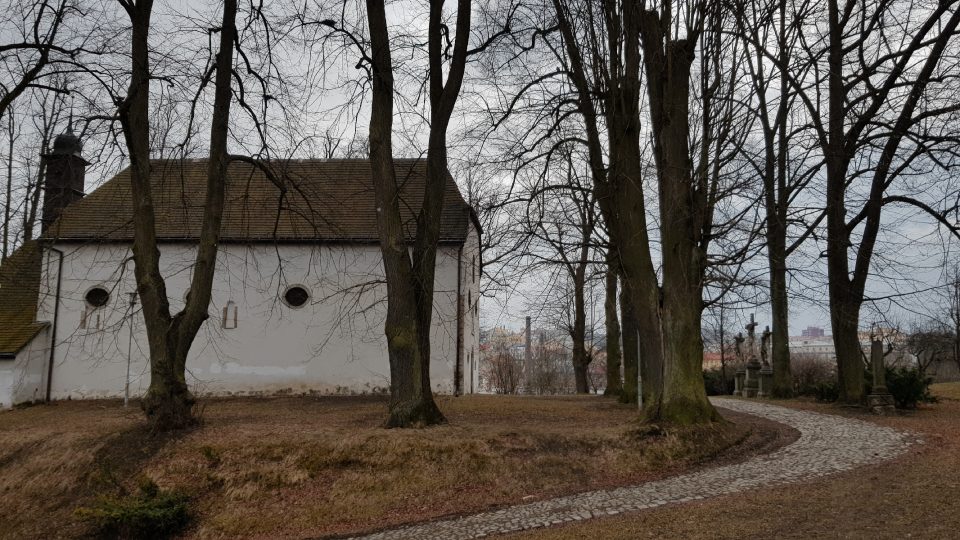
x=812, y=332
x=820, y=348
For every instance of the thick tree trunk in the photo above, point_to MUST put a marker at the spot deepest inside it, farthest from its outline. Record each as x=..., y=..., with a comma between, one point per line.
x=845, y=322
x=780, y=357
x=631, y=349
x=168, y=403
x=578, y=332
x=844, y=300
x=683, y=204
x=614, y=378
x=629, y=234
x=411, y=402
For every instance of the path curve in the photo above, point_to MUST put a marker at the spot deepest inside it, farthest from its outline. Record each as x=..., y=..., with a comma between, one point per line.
x=828, y=444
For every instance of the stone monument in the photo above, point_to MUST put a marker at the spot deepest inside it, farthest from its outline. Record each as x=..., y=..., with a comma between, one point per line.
x=738, y=378
x=766, y=370
x=752, y=383
x=880, y=401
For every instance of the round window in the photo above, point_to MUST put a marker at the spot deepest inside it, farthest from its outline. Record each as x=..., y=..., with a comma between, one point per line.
x=296, y=296
x=97, y=297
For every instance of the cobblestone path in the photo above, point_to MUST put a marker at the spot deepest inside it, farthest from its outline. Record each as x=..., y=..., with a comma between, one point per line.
x=827, y=444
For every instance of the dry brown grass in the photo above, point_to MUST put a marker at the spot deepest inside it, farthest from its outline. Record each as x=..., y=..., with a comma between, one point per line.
x=913, y=496
x=949, y=390
x=293, y=467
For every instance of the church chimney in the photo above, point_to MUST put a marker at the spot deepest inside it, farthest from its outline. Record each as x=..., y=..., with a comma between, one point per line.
x=64, y=176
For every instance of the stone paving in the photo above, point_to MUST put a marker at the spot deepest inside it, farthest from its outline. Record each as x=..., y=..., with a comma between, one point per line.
x=828, y=444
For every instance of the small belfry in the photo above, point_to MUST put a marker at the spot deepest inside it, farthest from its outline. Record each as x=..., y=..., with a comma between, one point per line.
x=65, y=175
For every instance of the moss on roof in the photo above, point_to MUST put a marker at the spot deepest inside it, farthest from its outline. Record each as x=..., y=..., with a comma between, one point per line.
x=19, y=290
x=320, y=200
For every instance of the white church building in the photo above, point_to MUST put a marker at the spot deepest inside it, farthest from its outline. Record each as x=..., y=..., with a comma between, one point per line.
x=299, y=297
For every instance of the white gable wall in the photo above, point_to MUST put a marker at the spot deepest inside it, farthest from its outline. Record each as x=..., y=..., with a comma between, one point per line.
x=334, y=344
x=23, y=379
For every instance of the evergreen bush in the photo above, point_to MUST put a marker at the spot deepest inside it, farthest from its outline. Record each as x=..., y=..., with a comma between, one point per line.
x=151, y=514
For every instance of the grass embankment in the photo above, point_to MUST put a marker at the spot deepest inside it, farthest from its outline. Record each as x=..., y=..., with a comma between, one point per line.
x=949, y=390
x=914, y=496
x=293, y=467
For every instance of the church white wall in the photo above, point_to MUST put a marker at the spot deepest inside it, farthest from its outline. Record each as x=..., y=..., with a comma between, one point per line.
x=23, y=379
x=334, y=344
x=470, y=296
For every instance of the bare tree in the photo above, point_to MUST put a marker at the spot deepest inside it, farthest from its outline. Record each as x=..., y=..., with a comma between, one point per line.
x=954, y=312
x=612, y=320
x=168, y=402
x=410, y=282
x=561, y=221
x=37, y=40
x=604, y=60
x=768, y=69
x=501, y=371
x=882, y=62
x=929, y=344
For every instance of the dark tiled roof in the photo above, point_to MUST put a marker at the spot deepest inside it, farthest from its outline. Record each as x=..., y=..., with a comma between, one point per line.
x=19, y=288
x=325, y=201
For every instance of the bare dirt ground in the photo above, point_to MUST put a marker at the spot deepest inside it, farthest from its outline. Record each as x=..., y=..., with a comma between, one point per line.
x=295, y=467
x=915, y=496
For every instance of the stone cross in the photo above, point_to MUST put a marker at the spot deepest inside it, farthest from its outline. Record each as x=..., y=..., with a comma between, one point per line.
x=764, y=344
x=751, y=339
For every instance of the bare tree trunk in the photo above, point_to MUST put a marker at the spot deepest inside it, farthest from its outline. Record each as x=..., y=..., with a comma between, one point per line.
x=628, y=232
x=780, y=344
x=845, y=132
x=410, y=402
x=619, y=190
x=845, y=322
x=683, y=202
x=614, y=379
x=9, y=193
x=631, y=349
x=410, y=283
x=777, y=212
x=168, y=402
x=578, y=332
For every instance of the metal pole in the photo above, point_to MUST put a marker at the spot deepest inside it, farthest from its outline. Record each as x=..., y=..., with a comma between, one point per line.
x=126, y=387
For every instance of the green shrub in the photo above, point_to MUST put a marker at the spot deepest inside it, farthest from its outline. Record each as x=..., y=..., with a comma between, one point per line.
x=153, y=513
x=715, y=384
x=908, y=387
x=827, y=391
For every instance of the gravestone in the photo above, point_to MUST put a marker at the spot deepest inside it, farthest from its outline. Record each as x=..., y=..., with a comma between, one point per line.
x=880, y=400
x=766, y=370
x=752, y=384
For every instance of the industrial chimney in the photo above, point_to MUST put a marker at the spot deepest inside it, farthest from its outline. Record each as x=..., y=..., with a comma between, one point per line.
x=65, y=171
